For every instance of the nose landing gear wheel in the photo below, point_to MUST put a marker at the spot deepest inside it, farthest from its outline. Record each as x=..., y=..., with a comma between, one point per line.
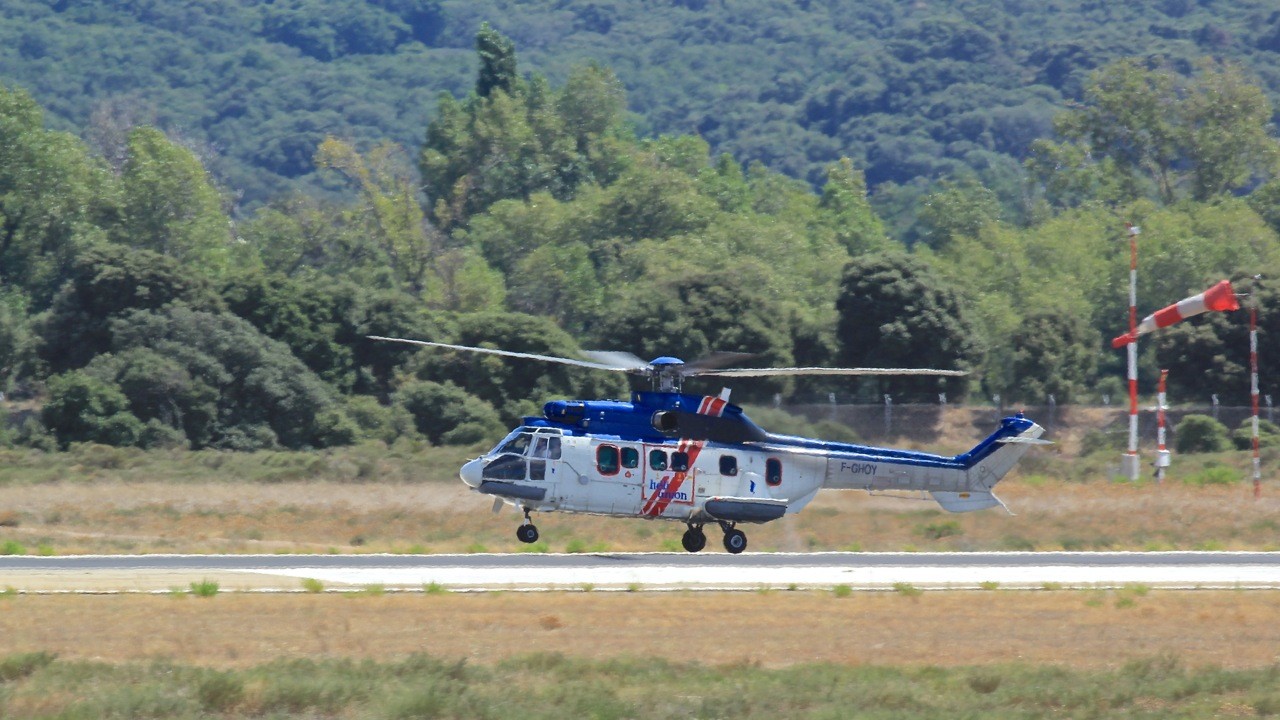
x=527, y=533
x=735, y=541
x=694, y=539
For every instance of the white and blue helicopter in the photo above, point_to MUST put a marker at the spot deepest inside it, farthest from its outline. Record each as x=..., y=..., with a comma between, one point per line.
x=699, y=460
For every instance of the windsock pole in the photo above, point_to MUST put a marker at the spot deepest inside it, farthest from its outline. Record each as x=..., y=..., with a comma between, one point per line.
x=1162, y=452
x=1131, y=461
x=1253, y=372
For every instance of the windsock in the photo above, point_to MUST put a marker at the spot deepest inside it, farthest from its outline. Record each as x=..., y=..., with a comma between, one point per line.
x=1218, y=297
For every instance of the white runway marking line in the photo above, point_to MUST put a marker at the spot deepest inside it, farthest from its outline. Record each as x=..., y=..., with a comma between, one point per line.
x=782, y=577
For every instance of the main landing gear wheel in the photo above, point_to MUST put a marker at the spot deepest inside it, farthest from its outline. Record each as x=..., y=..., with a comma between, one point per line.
x=528, y=532
x=694, y=539
x=735, y=541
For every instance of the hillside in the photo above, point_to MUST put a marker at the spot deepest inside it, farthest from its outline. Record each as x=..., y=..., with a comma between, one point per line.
x=911, y=92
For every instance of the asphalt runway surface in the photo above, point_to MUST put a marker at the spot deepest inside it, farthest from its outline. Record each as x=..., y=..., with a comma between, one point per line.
x=647, y=571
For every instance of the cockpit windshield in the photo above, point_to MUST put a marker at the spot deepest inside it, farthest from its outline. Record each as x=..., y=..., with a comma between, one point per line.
x=517, y=443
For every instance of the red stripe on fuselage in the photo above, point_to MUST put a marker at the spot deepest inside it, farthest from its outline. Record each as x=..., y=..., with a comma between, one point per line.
x=667, y=489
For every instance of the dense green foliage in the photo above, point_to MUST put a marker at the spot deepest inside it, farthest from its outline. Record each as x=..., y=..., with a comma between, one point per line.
x=534, y=215
x=909, y=91
x=1201, y=434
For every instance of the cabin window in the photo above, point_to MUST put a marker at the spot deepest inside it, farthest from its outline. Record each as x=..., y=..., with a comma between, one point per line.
x=607, y=460
x=773, y=472
x=537, y=469
x=728, y=465
x=547, y=447
x=680, y=461
x=658, y=459
x=630, y=457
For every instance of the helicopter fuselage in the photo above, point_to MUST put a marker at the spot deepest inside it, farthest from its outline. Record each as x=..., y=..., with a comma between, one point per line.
x=699, y=459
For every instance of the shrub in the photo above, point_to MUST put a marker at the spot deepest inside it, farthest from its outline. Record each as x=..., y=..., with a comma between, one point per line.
x=219, y=691
x=1201, y=434
x=939, y=530
x=12, y=547
x=1215, y=476
x=16, y=667
x=312, y=585
x=1268, y=434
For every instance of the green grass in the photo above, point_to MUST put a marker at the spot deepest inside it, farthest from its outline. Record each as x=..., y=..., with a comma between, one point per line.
x=312, y=585
x=552, y=685
x=204, y=588
x=12, y=547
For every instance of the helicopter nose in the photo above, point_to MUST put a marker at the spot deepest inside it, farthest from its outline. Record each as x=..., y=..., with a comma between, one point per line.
x=471, y=472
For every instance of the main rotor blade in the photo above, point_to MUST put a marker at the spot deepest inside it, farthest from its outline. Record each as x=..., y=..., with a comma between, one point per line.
x=714, y=360
x=766, y=372
x=506, y=353
x=618, y=359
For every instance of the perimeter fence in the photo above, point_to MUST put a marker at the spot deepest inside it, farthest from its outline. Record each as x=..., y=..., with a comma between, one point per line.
x=923, y=423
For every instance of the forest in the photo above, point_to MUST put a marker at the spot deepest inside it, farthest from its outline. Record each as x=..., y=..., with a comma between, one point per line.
x=148, y=300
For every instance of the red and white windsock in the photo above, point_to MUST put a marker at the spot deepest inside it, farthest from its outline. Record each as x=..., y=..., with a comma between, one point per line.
x=1219, y=297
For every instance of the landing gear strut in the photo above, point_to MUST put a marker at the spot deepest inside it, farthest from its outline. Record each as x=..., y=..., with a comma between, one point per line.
x=735, y=541
x=528, y=532
x=694, y=539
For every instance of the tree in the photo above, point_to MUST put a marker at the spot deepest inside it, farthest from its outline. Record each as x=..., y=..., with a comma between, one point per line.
x=895, y=312
x=309, y=314
x=955, y=209
x=693, y=316
x=844, y=198
x=514, y=386
x=104, y=283
x=161, y=390
x=81, y=408
x=511, y=139
x=446, y=414
x=53, y=198
x=265, y=396
x=170, y=206
x=1198, y=137
x=1054, y=353
x=390, y=211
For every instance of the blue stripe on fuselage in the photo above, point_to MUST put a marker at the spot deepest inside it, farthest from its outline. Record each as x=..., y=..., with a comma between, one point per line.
x=1010, y=426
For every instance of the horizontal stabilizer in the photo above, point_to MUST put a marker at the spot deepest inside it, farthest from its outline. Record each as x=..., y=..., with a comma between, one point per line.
x=966, y=501
x=1024, y=440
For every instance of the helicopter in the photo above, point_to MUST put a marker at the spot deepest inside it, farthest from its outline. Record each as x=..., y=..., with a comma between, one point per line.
x=698, y=459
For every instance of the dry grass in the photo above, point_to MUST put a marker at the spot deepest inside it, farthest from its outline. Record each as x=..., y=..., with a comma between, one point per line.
x=1081, y=629
x=406, y=498
x=322, y=516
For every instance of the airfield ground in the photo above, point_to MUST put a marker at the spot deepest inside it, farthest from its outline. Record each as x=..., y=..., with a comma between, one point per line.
x=1084, y=629
x=109, y=515
x=1130, y=652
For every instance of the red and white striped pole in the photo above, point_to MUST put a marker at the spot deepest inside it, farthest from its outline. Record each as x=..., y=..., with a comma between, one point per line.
x=1253, y=372
x=1162, y=452
x=1131, y=461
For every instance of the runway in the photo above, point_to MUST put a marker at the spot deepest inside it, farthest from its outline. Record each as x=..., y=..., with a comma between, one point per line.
x=645, y=571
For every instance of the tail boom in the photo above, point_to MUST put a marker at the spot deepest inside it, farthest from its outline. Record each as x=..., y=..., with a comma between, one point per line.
x=961, y=483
